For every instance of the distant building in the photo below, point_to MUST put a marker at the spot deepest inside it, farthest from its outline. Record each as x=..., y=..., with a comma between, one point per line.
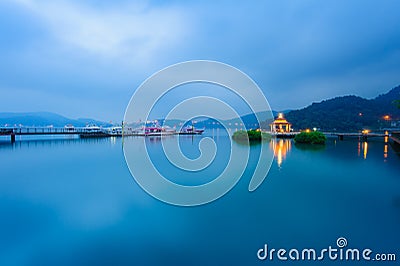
x=280, y=124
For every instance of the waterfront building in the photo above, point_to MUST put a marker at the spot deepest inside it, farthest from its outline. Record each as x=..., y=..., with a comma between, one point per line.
x=280, y=124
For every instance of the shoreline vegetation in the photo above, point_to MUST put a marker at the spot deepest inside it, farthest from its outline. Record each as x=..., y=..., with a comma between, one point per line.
x=312, y=137
x=251, y=136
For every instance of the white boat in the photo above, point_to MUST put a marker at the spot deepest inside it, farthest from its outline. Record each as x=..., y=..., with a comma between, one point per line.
x=119, y=131
x=154, y=130
x=191, y=130
x=157, y=131
x=113, y=131
x=69, y=128
x=92, y=128
x=93, y=131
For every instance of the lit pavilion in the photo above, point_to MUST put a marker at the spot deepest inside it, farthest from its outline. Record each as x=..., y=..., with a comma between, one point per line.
x=281, y=124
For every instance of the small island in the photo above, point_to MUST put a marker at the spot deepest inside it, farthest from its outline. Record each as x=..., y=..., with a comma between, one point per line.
x=251, y=135
x=310, y=137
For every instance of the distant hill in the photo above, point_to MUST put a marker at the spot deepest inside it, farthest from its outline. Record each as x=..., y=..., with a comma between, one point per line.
x=44, y=119
x=348, y=113
x=345, y=113
x=249, y=120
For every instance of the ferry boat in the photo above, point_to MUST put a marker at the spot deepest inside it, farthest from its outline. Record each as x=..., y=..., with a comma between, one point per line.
x=118, y=131
x=157, y=131
x=69, y=128
x=93, y=131
x=113, y=131
x=191, y=130
x=154, y=130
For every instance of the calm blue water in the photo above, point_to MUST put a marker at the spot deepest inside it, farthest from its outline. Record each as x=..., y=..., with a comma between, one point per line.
x=74, y=202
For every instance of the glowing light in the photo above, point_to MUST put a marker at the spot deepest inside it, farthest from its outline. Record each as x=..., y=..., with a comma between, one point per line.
x=385, y=151
x=386, y=117
x=280, y=124
x=281, y=148
x=365, y=149
x=366, y=131
x=279, y=157
x=308, y=130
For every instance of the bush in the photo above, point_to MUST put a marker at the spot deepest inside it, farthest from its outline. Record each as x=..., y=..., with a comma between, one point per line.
x=314, y=137
x=251, y=135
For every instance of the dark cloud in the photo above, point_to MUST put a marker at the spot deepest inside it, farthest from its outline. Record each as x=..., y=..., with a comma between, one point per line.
x=297, y=51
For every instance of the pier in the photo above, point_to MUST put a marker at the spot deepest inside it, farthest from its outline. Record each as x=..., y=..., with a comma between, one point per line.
x=362, y=135
x=395, y=136
x=90, y=132
x=284, y=135
x=12, y=132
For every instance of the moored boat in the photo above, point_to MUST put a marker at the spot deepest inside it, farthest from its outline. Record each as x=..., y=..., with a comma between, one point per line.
x=157, y=131
x=191, y=130
x=93, y=131
x=154, y=129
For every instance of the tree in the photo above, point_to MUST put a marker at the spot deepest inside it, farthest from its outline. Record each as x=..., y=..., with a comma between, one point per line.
x=313, y=137
x=250, y=135
x=397, y=103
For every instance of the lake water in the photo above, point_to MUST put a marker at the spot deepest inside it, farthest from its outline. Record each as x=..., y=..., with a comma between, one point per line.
x=74, y=202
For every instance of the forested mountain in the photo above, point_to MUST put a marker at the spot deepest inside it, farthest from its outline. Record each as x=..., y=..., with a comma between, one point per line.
x=348, y=113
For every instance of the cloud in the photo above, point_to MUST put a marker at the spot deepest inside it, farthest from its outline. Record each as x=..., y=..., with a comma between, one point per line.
x=298, y=52
x=131, y=31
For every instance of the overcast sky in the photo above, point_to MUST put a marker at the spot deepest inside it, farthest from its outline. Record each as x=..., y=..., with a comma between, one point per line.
x=86, y=58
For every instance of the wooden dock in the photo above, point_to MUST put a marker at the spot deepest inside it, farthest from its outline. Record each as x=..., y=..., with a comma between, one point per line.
x=341, y=135
x=81, y=131
x=395, y=136
x=360, y=135
x=285, y=135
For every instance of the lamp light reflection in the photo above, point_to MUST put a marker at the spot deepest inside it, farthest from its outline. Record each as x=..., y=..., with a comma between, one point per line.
x=281, y=147
x=365, y=148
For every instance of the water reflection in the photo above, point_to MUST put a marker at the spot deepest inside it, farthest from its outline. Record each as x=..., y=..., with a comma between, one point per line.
x=365, y=148
x=362, y=146
x=385, y=151
x=113, y=140
x=280, y=147
x=385, y=148
x=49, y=142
